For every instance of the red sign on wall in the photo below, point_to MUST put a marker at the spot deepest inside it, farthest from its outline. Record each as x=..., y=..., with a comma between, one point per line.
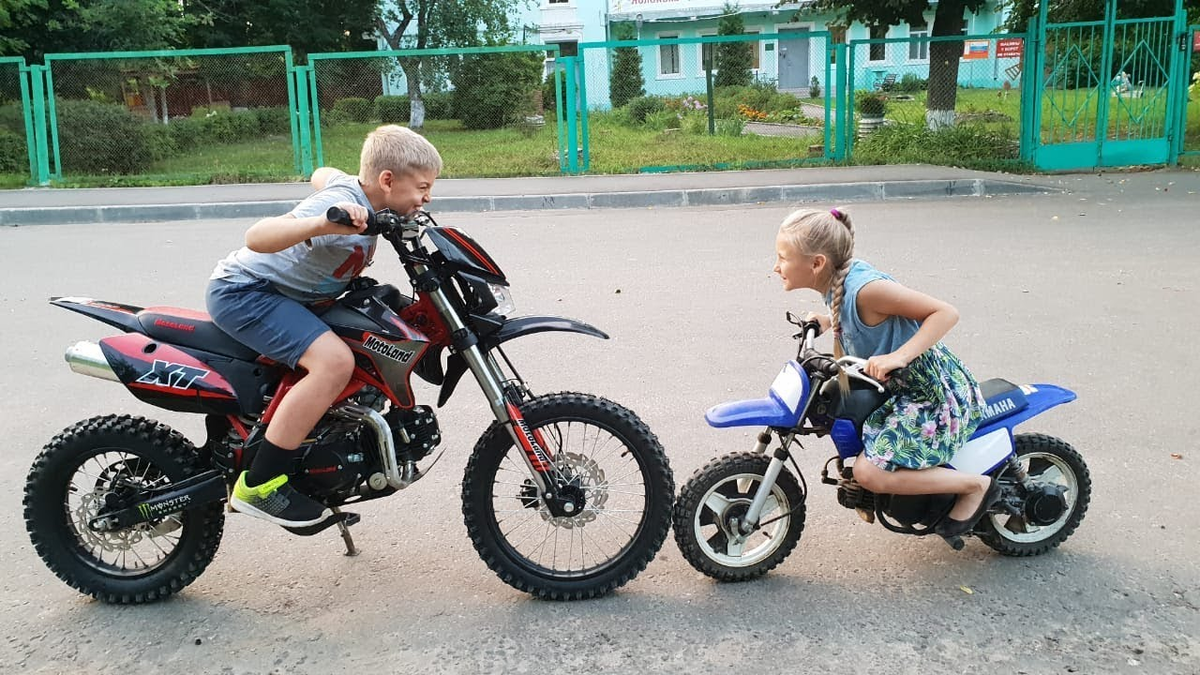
x=1196, y=41
x=1007, y=48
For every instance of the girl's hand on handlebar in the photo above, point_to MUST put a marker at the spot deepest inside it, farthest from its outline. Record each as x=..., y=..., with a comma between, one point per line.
x=358, y=215
x=822, y=320
x=880, y=367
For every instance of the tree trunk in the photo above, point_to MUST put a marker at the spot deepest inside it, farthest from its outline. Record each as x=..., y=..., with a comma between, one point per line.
x=416, y=106
x=151, y=100
x=943, y=64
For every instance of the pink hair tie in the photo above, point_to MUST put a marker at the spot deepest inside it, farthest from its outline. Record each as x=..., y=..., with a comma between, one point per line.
x=836, y=214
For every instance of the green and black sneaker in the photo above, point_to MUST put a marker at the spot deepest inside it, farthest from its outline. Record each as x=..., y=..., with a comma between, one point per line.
x=278, y=502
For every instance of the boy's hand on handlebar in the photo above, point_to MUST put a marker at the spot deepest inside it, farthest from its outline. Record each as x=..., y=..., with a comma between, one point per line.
x=358, y=215
x=881, y=367
x=822, y=320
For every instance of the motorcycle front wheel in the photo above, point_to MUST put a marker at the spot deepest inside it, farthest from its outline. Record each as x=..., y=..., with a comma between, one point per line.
x=617, y=471
x=713, y=504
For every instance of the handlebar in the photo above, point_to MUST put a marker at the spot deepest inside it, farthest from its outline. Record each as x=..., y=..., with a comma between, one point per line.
x=825, y=364
x=382, y=222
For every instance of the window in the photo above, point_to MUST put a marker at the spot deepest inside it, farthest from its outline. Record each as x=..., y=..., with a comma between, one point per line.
x=878, y=49
x=918, y=51
x=568, y=49
x=754, y=48
x=668, y=57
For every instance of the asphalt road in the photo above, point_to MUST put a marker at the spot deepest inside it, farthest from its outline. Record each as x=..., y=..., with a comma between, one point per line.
x=1096, y=290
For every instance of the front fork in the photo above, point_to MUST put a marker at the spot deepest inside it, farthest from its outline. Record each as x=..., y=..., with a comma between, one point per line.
x=781, y=455
x=537, y=457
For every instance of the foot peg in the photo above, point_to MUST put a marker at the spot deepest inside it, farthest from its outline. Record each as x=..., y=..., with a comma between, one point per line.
x=340, y=518
x=956, y=542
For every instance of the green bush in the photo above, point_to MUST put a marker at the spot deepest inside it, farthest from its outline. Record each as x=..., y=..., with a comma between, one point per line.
x=14, y=157
x=273, y=121
x=497, y=89
x=643, y=106
x=549, y=103
x=230, y=127
x=392, y=109
x=353, y=109
x=695, y=124
x=662, y=119
x=439, y=105
x=967, y=145
x=98, y=138
x=912, y=83
x=814, y=87
x=159, y=140
x=870, y=104
x=187, y=133
x=12, y=118
x=730, y=127
x=626, y=82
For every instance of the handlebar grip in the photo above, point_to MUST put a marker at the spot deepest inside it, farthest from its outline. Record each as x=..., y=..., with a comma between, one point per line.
x=336, y=214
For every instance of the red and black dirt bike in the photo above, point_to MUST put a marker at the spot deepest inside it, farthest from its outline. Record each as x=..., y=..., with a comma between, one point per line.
x=565, y=496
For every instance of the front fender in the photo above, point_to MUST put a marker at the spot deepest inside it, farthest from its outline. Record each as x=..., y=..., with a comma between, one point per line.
x=511, y=329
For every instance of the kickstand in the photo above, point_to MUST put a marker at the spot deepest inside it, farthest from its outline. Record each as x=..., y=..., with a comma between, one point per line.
x=351, y=551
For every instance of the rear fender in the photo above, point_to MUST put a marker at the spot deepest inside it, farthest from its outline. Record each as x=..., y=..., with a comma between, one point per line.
x=111, y=313
x=167, y=377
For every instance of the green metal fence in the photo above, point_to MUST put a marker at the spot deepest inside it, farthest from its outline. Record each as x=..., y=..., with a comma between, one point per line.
x=187, y=116
x=485, y=108
x=664, y=104
x=942, y=100
x=1189, y=145
x=1111, y=90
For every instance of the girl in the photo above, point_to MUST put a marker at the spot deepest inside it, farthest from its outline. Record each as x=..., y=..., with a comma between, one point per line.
x=936, y=404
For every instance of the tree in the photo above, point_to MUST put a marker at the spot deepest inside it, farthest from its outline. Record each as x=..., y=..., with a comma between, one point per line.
x=948, y=20
x=40, y=27
x=430, y=24
x=733, y=59
x=308, y=27
x=1066, y=11
x=626, y=82
x=12, y=14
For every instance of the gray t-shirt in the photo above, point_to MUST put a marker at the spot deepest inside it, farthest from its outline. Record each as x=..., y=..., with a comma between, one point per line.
x=312, y=270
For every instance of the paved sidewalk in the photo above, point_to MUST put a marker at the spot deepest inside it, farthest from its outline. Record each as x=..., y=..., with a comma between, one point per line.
x=45, y=206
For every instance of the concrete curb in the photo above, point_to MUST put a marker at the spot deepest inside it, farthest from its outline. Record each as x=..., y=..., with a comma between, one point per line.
x=829, y=192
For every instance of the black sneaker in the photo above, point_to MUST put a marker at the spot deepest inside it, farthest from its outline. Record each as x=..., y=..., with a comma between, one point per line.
x=278, y=502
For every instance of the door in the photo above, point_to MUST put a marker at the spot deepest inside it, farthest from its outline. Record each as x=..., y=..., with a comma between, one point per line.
x=793, y=59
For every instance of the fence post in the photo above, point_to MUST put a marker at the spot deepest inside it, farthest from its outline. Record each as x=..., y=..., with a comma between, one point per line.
x=708, y=79
x=830, y=57
x=845, y=118
x=293, y=110
x=306, y=153
x=1030, y=102
x=1177, y=96
x=37, y=74
x=560, y=114
x=572, y=104
x=583, y=111
x=24, y=75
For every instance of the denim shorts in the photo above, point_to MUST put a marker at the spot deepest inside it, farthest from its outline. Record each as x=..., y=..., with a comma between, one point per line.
x=260, y=317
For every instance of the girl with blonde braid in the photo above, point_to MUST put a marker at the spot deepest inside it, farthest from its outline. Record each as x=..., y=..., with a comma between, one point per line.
x=936, y=403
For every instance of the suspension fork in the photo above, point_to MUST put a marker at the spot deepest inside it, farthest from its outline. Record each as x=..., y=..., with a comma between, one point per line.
x=779, y=458
x=534, y=452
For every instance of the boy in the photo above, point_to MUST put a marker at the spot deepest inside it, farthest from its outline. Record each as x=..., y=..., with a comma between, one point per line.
x=259, y=295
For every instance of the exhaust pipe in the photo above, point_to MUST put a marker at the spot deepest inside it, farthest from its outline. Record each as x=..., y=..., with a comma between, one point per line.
x=86, y=358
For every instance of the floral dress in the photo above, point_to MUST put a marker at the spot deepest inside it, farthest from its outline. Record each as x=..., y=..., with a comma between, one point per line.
x=935, y=408
x=936, y=404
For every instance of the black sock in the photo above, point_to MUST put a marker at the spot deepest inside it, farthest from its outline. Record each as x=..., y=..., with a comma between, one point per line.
x=270, y=461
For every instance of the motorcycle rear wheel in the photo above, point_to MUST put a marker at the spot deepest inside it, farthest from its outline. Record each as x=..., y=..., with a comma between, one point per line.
x=1047, y=459
x=67, y=486
x=716, y=498
x=619, y=468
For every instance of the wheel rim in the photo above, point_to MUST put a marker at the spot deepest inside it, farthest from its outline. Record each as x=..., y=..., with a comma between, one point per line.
x=1045, y=469
x=613, y=484
x=729, y=499
x=130, y=552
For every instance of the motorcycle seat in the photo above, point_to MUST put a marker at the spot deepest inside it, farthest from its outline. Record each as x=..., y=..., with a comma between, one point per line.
x=1003, y=398
x=190, y=328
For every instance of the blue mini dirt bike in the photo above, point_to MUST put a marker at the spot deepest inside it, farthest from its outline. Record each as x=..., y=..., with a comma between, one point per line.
x=742, y=514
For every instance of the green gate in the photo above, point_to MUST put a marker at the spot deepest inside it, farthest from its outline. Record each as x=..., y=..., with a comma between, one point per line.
x=1109, y=90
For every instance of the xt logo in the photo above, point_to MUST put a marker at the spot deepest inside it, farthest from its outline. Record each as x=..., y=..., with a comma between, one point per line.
x=172, y=375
